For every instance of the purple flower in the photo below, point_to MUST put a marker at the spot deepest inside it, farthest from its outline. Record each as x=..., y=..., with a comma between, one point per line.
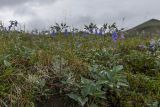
x=66, y=32
x=101, y=31
x=114, y=36
x=84, y=33
x=53, y=33
x=91, y=30
x=96, y=32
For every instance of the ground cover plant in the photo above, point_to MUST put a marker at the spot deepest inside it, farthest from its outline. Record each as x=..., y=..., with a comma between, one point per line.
x=83, y=69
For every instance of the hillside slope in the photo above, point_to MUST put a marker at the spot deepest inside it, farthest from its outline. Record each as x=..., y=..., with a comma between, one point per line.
x=151, y=26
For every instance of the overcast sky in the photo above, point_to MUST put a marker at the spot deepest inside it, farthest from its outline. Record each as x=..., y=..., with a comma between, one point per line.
x=43, y=13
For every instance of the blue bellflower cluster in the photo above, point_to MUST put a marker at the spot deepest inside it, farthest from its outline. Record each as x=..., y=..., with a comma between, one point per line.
x=100, y=31
x=53, y=33
x=91, y=30
x=96, y=32
x=84, y=33
x=114, y=36
x=66, y=32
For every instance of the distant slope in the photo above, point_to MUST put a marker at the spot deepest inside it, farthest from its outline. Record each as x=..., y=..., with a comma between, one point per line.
x=151, y=26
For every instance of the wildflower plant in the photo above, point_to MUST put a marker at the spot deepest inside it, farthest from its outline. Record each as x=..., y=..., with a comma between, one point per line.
x=96, y=31
x=74, y=31
x=59, y=27
x=113, y=27
x=12, y=24
x=53, y=33
x=101, y=31
x=90, y=28
x=114, y=36
x=66, y=32
x=105, y=27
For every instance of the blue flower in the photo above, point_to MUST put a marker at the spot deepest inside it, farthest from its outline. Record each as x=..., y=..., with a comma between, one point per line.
x=66, y=32
x=91, y=30
x=96, y=32
x=101, y=31
x=114, y=36
x=84, y=33
x=53, y=33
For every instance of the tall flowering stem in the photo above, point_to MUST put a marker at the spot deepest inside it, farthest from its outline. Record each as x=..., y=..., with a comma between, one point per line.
x=96, y=31
x=115, y=38
x=53, y=33
x=66, y=32
x=100, y=31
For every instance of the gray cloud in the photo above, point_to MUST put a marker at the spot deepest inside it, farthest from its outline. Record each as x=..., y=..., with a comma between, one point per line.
x=23, y=10
x=9, y=3
x=40, y=13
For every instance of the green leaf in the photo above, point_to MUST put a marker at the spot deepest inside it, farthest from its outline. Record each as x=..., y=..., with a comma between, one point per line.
x=99, y=94
x=118, y=68
x=101, y=82
x=122, y=84
x=79, y=99
x=86, y=90
x=6, y=63
x=108, y=76
x=85, y=81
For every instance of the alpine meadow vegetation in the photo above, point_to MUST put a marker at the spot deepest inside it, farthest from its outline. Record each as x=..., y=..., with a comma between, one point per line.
x=69, y=67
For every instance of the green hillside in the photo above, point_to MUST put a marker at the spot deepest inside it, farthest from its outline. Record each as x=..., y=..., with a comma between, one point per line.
x=151, y=26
